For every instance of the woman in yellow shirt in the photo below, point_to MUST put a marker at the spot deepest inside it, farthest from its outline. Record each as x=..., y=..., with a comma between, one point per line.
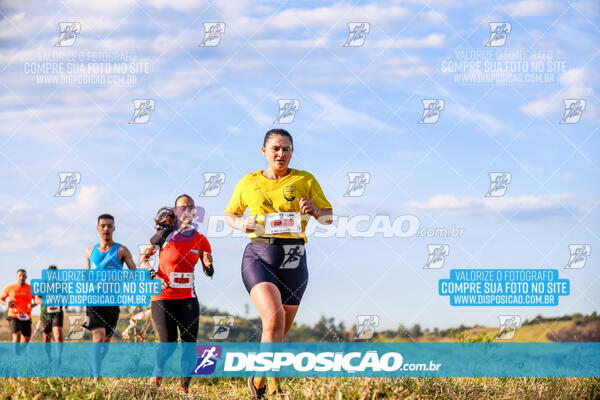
x=281, y=201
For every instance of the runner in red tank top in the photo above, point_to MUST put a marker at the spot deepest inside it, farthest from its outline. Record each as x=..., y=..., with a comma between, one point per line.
x=176, y=309
x=177, y=261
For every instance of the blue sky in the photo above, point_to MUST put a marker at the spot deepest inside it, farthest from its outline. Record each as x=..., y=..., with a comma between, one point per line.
x=359, y=108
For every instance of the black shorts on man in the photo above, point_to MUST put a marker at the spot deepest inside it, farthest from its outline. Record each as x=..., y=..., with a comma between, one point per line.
x=18, y=326
x=102, y=317
x=52, y=319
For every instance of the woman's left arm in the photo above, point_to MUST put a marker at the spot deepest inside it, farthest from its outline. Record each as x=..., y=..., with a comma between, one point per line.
x=323, y=215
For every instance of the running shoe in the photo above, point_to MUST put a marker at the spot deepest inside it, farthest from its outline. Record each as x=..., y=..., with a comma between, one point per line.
x=256, y=393
x=156, y=381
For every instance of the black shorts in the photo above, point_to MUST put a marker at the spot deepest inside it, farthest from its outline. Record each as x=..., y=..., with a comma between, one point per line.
x=18, y=326
x=283, y=265
x=172, y=315
x=102, y=317
x=56, y=319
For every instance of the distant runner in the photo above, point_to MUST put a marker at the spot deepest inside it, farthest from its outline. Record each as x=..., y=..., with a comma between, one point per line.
x=51, y=324
x=142, y=315
x=105, y=254
x=17, y=297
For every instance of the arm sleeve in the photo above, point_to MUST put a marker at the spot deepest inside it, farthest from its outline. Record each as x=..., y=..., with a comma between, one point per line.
x=160, y=237
x=317, y=196
x=237, y=205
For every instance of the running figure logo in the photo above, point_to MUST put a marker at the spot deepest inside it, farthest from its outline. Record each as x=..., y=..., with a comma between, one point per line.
x=357, y=183
x=287, y=111
x=432, y=108
x=579, y=255
x=365, y=326
x=499, y=182
x=573, y=111
x=68, y=33
x=207, y=359
x=68, y=184
x=222, y=326
x=499, y=33
x=292, y=255
x=358, y=34
x=142, y=108
x=76, y=327
x=212, y=184
x=212, y=34
x=437, y=255
x=508, y=326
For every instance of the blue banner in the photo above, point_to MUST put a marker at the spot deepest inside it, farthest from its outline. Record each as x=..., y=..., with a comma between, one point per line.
x=301, y=359
x=504, y=287
x=95, y=287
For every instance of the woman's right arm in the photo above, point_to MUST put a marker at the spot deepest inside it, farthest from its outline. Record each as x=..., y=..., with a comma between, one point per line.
x=145, y=256
x=143, y=260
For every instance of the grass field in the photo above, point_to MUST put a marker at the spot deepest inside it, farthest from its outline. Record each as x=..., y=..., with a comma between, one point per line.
x=320, y=388
x=309, y=388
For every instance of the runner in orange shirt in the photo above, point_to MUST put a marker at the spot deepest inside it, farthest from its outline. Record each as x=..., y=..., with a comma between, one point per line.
x=17, y=297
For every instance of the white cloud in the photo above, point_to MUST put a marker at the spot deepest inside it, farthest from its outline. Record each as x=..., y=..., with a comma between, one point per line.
x=184, y=83
x=16, y=241
x=50, y=123
x=431, y=40
x=336, y=14
x=181, y=5
x=588, y=8
x=403, y=70
x=339, y=115
x=11, y=26
x=531, y=8
x=332, y=19
x=575, y=76
x=21, y=214
x=484, y=122
x=521, y=207
x=91, y=201
x=252, y=109
x=280, y=46
x=576, y=85
x=110, y=7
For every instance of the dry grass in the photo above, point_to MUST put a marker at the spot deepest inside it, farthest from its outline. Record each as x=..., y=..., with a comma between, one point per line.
x=308, y=388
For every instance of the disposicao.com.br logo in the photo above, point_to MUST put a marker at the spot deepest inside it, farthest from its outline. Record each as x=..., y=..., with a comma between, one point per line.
x=369, y=361
x=302, y=361
x=356, y=226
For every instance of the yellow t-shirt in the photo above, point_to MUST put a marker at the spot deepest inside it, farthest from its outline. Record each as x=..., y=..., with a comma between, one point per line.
x=265, y=196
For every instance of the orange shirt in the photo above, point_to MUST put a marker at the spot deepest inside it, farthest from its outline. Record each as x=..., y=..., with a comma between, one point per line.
x=179, y=255
x=22, y=297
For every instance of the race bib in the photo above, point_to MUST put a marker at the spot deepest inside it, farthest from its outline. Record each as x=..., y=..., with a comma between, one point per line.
x=52, y=309
x=23, y=317
x=284, y=222
x=181, y=280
